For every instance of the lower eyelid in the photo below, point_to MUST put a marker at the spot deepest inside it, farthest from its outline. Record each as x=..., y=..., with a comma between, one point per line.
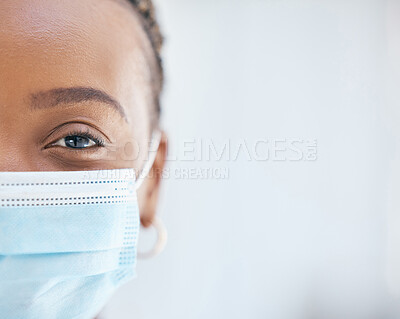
x=77, y=157
x=66, y=152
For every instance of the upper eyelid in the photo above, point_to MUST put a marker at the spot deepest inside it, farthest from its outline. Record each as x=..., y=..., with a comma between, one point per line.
x=61, y=126
x=89, y=135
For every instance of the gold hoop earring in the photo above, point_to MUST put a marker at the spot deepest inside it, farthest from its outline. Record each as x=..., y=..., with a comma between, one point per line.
x=162, y=237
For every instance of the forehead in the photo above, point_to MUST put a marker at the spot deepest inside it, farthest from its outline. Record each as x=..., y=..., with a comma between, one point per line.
x=52, y=43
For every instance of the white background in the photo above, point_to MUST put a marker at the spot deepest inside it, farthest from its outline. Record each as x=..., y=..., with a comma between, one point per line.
x=277, y=238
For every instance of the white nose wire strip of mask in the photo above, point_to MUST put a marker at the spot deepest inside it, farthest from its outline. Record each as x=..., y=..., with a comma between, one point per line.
x=154, y=144
x=63, y=188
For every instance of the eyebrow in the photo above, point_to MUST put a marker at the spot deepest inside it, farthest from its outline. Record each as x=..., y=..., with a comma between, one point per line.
x=74, y=95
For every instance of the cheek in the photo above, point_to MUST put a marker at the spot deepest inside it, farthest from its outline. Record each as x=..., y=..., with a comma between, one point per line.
x=130, y=147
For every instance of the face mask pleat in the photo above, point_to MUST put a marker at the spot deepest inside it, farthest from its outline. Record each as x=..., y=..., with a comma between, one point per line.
x=67, y=241
x=44, y=266
x=67, y=228
x=79, y=298
x=66, y=212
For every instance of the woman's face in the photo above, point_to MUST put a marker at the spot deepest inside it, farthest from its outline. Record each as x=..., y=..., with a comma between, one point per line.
x=76, y=88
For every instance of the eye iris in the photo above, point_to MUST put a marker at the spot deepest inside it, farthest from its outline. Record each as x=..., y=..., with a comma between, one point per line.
x=77, y=141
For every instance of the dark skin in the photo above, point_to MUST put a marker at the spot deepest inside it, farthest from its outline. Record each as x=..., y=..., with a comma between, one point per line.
x=77, y=70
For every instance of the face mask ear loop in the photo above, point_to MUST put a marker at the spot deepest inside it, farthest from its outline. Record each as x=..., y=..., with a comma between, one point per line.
x=154, y=144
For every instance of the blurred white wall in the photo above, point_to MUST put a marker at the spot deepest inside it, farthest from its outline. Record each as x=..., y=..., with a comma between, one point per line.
x=278, y=238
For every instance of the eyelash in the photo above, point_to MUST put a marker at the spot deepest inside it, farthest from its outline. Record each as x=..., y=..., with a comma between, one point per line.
x=98, y=140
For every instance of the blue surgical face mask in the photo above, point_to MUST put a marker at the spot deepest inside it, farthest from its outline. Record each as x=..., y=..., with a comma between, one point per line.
x=67, y=241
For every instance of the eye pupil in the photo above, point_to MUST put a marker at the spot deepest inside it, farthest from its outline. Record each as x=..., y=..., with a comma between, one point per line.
x=77, y=141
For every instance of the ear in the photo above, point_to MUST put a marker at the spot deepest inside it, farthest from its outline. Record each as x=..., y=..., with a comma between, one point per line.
x=149, y=191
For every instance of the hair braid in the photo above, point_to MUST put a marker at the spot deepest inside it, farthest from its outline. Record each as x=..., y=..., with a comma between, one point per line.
x=146, y=10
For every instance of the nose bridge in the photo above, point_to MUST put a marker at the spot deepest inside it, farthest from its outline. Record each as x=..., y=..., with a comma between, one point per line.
x=14, y=156
x=8, y=164
x=16, y=159
x=11, y=158
x=4, y=154
x=18, y=149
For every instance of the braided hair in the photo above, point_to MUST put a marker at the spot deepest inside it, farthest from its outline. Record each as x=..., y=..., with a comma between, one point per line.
x=146, y=11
